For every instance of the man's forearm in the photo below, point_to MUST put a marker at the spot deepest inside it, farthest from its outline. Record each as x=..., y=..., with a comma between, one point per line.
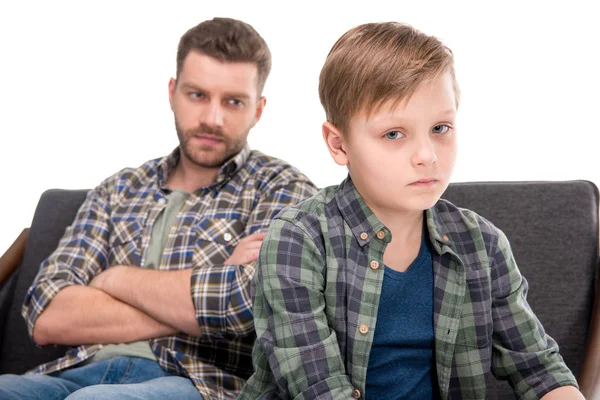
x=163, y=295
x=84, y=315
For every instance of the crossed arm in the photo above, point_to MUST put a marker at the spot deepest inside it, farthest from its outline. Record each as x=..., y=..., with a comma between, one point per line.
x=124, y=304
x=76, y=300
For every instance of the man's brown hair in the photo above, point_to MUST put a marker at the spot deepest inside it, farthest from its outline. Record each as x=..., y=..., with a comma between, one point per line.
x=377, y=62
x=227, y=40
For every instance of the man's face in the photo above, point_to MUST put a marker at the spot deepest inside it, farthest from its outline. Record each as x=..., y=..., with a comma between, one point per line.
x=401, y=157
x=215, y=105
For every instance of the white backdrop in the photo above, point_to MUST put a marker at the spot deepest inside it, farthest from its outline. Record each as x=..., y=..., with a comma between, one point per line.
x=84, y=87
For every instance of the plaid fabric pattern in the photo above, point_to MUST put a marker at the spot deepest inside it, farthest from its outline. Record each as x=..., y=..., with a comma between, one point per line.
x=317, y=291
x=113, y=227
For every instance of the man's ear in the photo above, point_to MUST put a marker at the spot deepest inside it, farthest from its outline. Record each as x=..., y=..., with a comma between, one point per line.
x=260, y=106
x=336, y=144
x=172, y=86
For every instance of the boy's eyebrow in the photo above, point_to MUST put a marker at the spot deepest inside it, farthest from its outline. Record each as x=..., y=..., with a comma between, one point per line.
x=449, y=111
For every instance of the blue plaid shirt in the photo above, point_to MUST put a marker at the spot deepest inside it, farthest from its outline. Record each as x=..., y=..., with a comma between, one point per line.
x=114, y=225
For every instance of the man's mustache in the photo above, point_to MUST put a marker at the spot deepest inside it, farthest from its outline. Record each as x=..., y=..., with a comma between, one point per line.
x=204, y=129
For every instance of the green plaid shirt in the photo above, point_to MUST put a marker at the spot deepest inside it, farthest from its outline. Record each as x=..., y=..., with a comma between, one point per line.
x=317, y=291
x=114, y=225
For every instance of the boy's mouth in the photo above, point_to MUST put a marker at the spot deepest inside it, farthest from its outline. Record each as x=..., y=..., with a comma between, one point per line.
x=425, y=182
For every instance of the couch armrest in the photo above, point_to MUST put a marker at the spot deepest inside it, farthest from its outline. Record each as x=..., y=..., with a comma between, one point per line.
x=589, y=375
x=11, y=259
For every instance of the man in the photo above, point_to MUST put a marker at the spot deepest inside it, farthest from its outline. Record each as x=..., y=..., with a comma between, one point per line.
x=155, y=270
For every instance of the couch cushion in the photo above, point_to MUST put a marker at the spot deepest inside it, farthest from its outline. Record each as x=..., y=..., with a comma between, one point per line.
x=55, y=211
x=553, y=231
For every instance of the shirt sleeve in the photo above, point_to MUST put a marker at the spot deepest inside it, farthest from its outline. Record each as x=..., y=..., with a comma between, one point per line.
x=522, y=352
x=296, y=354
x=221, y=292
x=81, y=254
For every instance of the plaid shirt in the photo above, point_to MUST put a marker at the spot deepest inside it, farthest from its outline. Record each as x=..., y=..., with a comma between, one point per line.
x=113, y=227
x=317, y=290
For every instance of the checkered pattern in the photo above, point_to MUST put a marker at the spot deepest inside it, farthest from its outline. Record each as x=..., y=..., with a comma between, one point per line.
x=113, y=227
x=314, y=289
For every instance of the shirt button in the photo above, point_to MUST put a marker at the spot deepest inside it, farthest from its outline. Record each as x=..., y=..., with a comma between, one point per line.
x=227, y=237
x=363, y=329
x=374, y=265
x=380, y=235
x=161, y=201
x=80, y=354
x=364, y=236
x=356, y=394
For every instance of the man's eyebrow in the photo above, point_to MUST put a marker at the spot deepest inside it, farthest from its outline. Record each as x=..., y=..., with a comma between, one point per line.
x=237, y=95
x=190, y=86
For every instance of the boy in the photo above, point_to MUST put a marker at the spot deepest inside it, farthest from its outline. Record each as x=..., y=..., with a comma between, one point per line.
x=376, y=288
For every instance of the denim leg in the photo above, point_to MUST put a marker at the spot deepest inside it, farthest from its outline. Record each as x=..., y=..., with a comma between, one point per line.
x=115, y=370
x=35, y=387
x=166, y=388
x=117, y=378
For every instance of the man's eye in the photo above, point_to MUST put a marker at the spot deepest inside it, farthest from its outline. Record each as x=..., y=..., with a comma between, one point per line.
x=440, y=129
x=236, y=102
x=393, y=135
x=196, y=95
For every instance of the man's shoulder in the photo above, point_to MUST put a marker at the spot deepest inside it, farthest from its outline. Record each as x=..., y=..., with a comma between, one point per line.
x=132, y=177
x=267, y=168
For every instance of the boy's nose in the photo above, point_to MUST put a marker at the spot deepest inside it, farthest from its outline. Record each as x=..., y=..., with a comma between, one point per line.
x=425, y=153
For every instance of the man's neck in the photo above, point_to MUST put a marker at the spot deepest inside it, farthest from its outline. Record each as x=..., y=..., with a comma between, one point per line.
x=190, y=177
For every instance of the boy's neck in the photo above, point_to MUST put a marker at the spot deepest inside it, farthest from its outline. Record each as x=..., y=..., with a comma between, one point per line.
x=407, y=232
x=405, y=226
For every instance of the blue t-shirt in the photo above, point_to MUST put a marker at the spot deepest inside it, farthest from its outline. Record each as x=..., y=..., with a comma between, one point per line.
x=401, y=358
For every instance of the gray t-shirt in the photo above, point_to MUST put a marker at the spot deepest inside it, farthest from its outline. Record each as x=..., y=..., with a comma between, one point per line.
x=158, y=240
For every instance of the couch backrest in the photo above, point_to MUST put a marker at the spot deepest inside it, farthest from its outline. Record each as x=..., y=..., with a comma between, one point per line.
x=55, y=211
x=553, y=231
x=552, y=227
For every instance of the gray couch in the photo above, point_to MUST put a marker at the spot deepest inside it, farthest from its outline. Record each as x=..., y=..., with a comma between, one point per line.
x=552, y=226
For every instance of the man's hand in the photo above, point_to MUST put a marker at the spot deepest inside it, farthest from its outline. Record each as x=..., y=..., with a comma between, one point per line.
x=247, y=249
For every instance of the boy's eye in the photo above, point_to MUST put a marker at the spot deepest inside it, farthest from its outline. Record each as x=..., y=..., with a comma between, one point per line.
x=439, y=129
x=393, y=135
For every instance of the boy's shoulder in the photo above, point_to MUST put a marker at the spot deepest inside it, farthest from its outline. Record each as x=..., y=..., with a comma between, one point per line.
x=462, y=227
x=313, y=207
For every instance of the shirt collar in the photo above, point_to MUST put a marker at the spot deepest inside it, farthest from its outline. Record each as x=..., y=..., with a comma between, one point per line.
x=167, y=164
x=365, y=225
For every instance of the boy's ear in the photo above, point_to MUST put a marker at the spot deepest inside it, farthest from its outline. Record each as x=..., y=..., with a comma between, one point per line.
x=334, y=139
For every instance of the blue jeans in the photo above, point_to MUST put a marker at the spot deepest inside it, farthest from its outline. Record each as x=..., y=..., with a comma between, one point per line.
x=125, y=378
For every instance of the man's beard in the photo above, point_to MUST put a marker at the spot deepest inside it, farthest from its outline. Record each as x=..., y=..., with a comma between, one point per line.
x=207, y=157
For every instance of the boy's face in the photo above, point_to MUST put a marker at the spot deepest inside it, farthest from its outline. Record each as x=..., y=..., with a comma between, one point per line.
x=401, y=157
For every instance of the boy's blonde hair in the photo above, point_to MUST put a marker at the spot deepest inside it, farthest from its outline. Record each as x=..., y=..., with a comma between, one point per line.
x=377, y=62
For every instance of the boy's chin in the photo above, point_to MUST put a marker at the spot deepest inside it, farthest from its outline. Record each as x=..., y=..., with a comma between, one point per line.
x=421, y=204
